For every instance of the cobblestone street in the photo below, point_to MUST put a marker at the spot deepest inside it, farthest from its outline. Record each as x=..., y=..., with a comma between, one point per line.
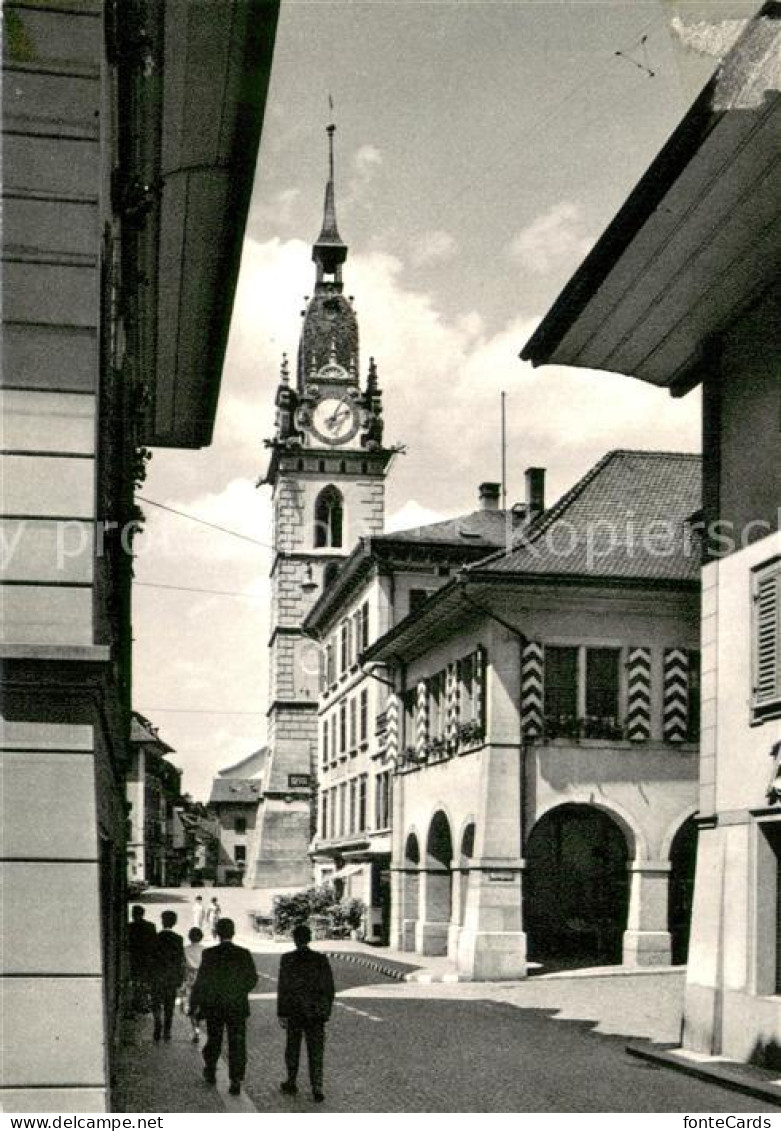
x=555, y=1044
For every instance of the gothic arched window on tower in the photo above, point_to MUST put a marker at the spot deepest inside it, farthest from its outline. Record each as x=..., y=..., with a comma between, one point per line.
x=329, y=516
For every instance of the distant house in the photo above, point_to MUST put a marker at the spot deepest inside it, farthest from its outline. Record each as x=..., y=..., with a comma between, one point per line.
x=542, y=729
x=235, y=795
x=153, y=790
x=684, y=289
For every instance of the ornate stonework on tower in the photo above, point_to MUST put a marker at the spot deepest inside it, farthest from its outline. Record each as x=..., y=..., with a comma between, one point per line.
x=327, y=474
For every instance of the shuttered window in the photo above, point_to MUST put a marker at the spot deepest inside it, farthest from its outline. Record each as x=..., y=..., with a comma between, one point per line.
x=766, y=698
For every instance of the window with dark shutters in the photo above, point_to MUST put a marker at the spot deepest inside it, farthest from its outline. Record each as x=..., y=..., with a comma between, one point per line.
x=766, y=698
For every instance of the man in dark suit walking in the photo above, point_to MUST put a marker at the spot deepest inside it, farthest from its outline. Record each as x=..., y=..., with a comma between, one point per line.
x=305, y=997
x=167, y=969
x=141, y=935
x=220, y=994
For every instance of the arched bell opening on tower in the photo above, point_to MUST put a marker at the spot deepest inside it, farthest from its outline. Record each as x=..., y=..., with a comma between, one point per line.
x=329, y=518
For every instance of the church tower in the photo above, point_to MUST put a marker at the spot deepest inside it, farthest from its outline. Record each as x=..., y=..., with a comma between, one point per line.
x=327, y=474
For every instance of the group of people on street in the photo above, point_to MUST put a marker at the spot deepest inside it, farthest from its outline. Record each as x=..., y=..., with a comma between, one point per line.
x=214, y=984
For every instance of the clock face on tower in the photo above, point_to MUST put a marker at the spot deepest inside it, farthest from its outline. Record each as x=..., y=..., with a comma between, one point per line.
x=335, y=420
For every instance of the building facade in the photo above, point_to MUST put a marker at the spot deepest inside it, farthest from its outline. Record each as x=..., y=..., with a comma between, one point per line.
x=385, y=578
x=544, y=738
x=130, y=134
x=153, y=789
x=700, y=240
x=327, y=476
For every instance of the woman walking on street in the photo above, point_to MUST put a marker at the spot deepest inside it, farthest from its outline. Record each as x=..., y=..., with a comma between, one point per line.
x=212, y=915
x=192, y=956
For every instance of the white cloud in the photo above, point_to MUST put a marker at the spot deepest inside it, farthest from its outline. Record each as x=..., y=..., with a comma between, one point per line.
x=433, y=247
x=555, y=238
x=366, y=160
x=278, y=212
x=410, y=515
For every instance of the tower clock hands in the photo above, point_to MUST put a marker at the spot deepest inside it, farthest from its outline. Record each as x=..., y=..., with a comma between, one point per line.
x=334, y=421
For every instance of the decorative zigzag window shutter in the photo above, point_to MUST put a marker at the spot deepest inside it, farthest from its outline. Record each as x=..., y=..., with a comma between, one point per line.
x=638, y=702
x=532, y=672
x=675, y=711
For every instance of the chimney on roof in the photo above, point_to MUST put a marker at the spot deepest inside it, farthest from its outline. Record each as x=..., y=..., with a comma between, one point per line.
x=535, y=492
x=489, y=496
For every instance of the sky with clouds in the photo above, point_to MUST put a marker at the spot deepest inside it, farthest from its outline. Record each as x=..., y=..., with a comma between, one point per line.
x=481, y=149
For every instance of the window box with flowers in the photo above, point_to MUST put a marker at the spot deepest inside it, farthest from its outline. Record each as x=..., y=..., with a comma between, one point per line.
x=470, y=733
x=436, y=747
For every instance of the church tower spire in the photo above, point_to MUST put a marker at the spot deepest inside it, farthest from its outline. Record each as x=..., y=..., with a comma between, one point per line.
x=327, y=475
x=329, y=251
x=329, y=334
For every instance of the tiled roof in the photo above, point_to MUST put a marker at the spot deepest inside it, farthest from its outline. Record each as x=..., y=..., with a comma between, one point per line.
x=141, y=730
x=626, y=518
x=482, y=527
x=240, y=791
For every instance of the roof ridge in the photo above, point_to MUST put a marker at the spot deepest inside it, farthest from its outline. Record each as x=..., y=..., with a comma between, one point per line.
x=541, y=524
x=538, y=527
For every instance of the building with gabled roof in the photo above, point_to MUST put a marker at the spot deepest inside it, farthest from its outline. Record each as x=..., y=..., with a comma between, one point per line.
x=384, y=578
x=233, y=802
x=683, y=289
x=541, y=732
x=153, y=789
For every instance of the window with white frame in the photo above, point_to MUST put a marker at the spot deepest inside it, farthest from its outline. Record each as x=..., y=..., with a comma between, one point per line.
x=582, y=696
x=363, y=715
x=437, y=705
x=766, y=642
x=353, y=724
x=353, y=805
x=324, y=814
x=362, y=790
x=342, y=726
x=382, y=800
x=345, y=638
x=364, y=626
x=342, y=808
x=333, y=736
x=325, y=734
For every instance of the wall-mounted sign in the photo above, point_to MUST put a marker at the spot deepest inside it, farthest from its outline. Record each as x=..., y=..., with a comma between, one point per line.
x=501, y=877
x=299, y=781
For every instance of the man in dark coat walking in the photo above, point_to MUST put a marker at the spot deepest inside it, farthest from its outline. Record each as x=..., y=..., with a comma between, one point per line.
x=220, y=994
x=167, y=969
x=305, y=998
x=141, y=935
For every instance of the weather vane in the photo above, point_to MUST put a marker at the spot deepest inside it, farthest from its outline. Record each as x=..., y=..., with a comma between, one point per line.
x=644, y=66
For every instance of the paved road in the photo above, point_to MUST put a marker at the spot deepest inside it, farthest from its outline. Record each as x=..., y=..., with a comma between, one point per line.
x=442, y=1051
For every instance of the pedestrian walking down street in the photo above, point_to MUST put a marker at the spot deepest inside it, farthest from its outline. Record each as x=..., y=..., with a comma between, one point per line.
x=192, y=957
x=199, y=912
x=141, y=936
x=168, y=973
x=213, y=916
x=305, y=997
x=220, y=994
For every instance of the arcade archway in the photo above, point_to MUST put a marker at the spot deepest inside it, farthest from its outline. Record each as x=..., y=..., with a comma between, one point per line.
x=683, y=856
x=576, y=891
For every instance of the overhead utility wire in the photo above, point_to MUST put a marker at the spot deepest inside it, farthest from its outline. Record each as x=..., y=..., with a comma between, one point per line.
x=198, y=711
x=194, y=589
x=534, y=127
x=205, y=522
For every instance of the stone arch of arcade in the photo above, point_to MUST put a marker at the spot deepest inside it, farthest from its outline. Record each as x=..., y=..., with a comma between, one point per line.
x=410, y=890
x=576, y=885
x=680, y=848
